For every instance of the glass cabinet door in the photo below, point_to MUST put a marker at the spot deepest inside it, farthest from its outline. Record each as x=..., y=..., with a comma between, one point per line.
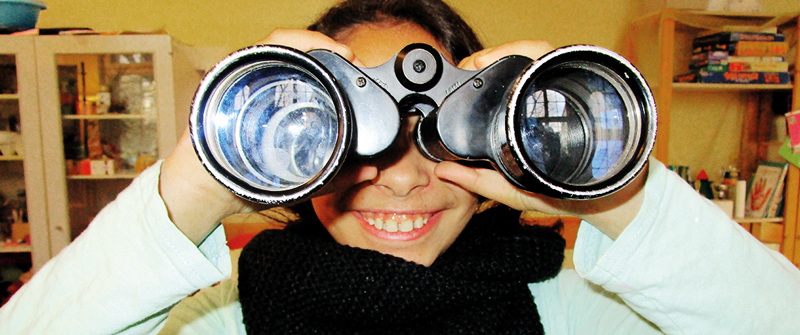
x=23, y=214
x=12, y=184
x=13, y=207
x=106, y=118
x=108, y=127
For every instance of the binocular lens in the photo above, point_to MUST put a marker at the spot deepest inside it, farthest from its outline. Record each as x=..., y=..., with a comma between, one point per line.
x=578, y=125
x=274, y=125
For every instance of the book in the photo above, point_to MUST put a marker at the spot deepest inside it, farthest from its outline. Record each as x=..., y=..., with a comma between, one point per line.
x=735, y=36
x=793, y=127
x=710, y=55
x=757, y=59
x=721, y=61
x=729, y=77
x=710, y=67
x=762, y=188
x=758, y=66
x=722, y=58
x=746, y=48
x=726, y=65
x=775, y=208
x=745, y=77
x=776, y=204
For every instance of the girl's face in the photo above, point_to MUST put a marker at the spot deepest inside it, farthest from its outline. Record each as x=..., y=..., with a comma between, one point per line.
x=405, y=211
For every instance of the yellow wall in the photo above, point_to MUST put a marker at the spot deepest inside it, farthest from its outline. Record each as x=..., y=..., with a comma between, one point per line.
x=237, y=23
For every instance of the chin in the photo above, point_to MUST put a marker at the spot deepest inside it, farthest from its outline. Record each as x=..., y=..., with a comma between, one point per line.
x=423, y=260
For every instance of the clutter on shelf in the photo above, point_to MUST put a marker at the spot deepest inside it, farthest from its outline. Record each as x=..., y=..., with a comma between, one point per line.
x=739, y=57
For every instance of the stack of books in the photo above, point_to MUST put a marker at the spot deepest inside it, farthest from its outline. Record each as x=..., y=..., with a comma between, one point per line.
x=735, y=57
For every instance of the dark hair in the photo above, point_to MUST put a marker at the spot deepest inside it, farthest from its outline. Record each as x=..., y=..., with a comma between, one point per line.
x=435, y=16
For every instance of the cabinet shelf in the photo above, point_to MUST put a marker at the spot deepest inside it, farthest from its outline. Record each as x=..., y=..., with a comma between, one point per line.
x=9, y=96
x=12, y=158
x=758, y=220
x=103, y=177
x=7, y=248
x=109, y=117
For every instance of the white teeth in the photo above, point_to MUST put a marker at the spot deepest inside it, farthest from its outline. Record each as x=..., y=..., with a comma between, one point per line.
x=406, y=226
x=392, y=226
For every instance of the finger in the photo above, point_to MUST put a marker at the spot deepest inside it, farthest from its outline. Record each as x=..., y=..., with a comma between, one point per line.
x=306, y=40
x=474, y=61
x=533, y=49
x=486, y=182
x=530, y=48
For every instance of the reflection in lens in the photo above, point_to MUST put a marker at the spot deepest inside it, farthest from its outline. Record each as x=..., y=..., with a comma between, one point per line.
x=275, y=126
x=289, y=147
x=574, y=126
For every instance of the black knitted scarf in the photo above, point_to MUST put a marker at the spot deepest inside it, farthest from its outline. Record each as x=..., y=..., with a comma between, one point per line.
x=300, y=281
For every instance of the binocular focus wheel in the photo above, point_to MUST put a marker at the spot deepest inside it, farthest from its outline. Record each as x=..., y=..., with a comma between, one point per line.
x=419, y=67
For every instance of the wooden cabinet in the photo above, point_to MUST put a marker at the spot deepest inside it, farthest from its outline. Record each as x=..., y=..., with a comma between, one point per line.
x=94, y=110
x=660, y=46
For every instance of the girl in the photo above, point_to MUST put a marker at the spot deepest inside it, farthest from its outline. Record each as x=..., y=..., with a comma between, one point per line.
x=644, y=259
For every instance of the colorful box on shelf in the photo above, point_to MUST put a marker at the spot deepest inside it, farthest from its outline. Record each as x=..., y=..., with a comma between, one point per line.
x=745, y=77
x=724, y=57
x=741, y=64
x=96, y=167
x=758, y=66
x=736, y=36
x=729, y=77
x=746, y=48
x=718, y=49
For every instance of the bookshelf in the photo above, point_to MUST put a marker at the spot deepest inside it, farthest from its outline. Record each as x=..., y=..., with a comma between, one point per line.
x=671, y=32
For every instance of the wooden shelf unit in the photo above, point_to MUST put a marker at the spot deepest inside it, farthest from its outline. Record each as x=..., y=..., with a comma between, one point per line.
x=671, y=30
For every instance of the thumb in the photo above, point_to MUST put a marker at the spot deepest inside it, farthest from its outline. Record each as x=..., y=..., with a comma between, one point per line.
x=486, y=182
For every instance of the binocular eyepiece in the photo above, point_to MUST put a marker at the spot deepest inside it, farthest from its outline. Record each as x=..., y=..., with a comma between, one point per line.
x=274, y=124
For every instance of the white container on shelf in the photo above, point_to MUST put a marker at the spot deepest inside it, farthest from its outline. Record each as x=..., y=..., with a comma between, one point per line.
x=9, y=143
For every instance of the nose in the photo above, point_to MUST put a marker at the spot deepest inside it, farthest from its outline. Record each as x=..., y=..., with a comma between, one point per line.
x=402, y=170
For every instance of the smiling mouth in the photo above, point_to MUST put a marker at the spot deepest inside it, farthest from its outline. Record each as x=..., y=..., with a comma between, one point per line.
x=392, y=222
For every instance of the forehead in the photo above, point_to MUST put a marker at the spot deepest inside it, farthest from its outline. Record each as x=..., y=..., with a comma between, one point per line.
x=375, y=43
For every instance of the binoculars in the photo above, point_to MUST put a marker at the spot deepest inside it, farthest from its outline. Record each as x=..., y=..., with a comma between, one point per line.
x=274, y=124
